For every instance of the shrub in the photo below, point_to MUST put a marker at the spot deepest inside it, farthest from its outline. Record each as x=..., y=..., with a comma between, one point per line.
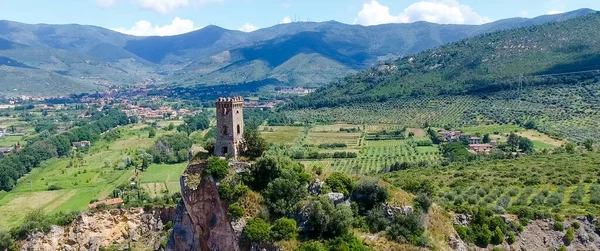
x=257, y=230
x=6, y=242
x=345, y=242
x=511, y=238
x=576, y=225
x=54, y=187
x=311, y=246
x=235, y=211
x=368, y=193
x=340, y=183
x=559, y=226
x=377, y=219
x=217, y=167
x=284, y=229
x=407, y=228
x=423, y=202
x=562, y=248
x=497, y=237
x=569, y=236
x=483, y=236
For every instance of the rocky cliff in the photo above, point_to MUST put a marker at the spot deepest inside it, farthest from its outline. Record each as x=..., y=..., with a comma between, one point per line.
x=201, y=221
x=92, y=231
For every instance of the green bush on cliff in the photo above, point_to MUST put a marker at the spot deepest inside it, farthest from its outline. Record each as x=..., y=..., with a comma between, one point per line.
x=284, y=229
x=217, y=167
x=235, y=211
x=257, y=230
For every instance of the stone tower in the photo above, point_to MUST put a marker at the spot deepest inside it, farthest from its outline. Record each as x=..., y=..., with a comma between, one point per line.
x=230, y=126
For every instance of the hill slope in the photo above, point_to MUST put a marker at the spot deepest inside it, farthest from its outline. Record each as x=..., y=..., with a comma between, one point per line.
x=86, y=58
x=492, y=62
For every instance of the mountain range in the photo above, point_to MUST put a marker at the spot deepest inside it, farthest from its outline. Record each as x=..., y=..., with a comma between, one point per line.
x=48, y=60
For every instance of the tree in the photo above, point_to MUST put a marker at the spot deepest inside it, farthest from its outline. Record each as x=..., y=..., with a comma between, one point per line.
x=284, y=229
x=170, y=127
x=144, y=159
x=269, y=168
x=340, y=183
x=589, y=145
x=571, y=148
x=217, y=167
x=368, y=193
x=377, y=219
x=257, y=230
x=327, y=220
x=341, y=221
x=253, y=145
x=152, y=133
x=282, y=195
x=513, y=142
x=526, y=145
x=486, y=138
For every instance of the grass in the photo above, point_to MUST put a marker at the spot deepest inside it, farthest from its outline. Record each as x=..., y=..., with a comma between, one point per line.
x=285, y=135
x=318, y=138
x=85, y=179
x=491, y=129
x=417, y=131
x=158, y=178
x=333, y=127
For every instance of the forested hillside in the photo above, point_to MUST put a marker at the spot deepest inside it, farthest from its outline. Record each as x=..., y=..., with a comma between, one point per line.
x=504, y=60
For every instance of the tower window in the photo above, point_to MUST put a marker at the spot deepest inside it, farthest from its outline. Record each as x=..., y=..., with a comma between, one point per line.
x=239, y=130
x=224, y=130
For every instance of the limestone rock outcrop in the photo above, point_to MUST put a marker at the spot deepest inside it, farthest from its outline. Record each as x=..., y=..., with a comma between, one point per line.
x=94, y=230
x=201, y=221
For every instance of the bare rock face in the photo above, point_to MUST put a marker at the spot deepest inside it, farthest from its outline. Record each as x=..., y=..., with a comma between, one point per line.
x=201, y=221
x=92, y=231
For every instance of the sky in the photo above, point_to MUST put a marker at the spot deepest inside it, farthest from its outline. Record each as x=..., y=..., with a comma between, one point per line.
x=171, y=17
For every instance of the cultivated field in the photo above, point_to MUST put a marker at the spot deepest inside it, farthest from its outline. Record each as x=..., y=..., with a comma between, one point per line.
x=80, y=178
x=285, y=135
x=555, y=183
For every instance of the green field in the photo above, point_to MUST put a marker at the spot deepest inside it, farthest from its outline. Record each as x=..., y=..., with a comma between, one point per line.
x=164, y=177
x=285, y=135
x=81, y=178
x=376, y=155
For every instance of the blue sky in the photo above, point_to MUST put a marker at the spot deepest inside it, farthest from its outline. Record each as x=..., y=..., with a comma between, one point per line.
x=169, y=17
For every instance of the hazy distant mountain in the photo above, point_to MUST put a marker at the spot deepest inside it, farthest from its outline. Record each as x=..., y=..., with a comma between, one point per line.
x=59, y=59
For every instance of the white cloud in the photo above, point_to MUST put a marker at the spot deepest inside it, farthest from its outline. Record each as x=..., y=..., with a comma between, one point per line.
x=248, y=27
x=160, y=6
x=554, y=12
x=286, y=5
x=145, y=28
x=434, y=11
x=105, y=3
x=285, y=20
x=524, y=13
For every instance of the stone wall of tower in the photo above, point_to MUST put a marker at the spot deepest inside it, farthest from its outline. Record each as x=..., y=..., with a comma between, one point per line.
x=230, y=126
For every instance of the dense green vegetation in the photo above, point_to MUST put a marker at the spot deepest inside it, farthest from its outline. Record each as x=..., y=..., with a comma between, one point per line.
x=540, y=183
